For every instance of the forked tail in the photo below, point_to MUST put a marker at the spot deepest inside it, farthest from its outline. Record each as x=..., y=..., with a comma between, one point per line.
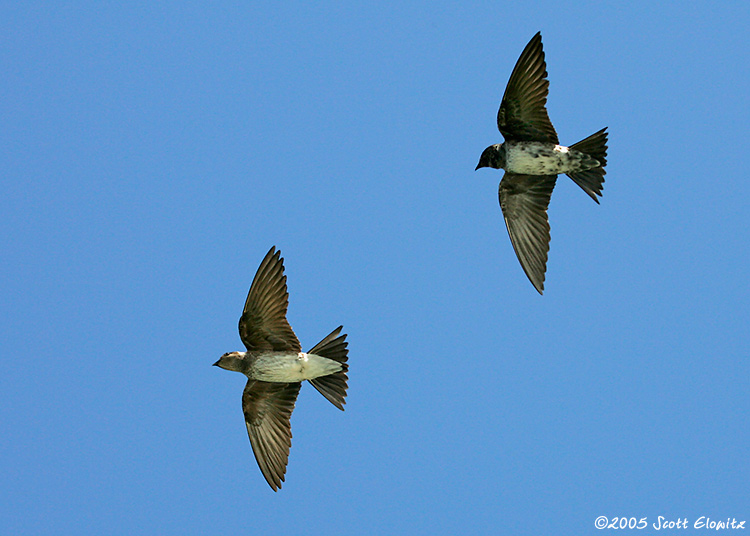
x=592, y=180
x=333, y=386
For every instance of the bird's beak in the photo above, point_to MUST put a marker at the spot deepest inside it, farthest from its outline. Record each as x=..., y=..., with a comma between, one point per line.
x=478, y=166
x=216, y=364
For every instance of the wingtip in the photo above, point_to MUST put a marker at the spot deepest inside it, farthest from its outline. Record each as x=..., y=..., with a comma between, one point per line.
x=538, y=285
x=273, y=253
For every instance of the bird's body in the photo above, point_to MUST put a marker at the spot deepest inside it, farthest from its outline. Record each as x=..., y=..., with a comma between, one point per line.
x=539, y=158
x=275, y=366
x=532, y=158
x=284, y=366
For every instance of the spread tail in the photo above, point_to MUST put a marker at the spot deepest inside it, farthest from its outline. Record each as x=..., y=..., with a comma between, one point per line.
x=333, y=386
x=592, y=180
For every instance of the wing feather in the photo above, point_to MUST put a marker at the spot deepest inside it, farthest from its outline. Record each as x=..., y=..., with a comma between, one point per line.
x=263, y=324
x=523, y=111
x=524, y=200
x=268, y=409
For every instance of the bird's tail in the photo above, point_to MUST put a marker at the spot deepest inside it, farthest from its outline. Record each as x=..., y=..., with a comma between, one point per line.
x=592, y=180
x=333, y=386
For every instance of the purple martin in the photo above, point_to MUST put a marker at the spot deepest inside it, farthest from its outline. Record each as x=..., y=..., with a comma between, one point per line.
x=532, y=158
x=276, y=366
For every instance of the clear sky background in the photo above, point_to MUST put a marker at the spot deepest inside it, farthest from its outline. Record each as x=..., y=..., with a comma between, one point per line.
x=152, y=153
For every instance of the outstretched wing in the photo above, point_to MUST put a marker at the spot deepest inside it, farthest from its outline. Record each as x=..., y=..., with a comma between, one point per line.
x=524, y=200
x=268, y=408
x=263, y=324
x=523, y=114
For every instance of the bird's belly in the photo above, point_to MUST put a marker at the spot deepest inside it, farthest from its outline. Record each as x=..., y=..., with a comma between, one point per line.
x=292, y=367
x=535, y=158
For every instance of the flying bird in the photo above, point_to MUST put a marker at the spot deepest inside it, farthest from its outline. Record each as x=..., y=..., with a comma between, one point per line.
x=532, y=158
x=276, y=366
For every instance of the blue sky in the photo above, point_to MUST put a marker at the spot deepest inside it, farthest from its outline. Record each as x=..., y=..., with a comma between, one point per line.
x=152, y=154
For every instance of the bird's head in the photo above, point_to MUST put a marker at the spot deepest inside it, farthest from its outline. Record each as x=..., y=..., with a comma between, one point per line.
x=231, y=361
x=493, y=156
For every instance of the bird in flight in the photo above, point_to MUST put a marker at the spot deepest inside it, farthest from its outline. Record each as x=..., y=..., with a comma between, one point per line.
x=276, y=366
x=532, y=158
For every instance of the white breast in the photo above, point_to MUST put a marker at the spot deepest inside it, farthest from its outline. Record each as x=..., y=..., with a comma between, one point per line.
x=292, y=367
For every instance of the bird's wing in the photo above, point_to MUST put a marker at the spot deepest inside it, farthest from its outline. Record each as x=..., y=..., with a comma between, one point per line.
x=524, y=200
x=523, y=114
x=263, y=324
x=268, y=407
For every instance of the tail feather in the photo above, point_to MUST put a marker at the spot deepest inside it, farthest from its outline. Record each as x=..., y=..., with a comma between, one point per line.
x=592, y=180
x=333, y=386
